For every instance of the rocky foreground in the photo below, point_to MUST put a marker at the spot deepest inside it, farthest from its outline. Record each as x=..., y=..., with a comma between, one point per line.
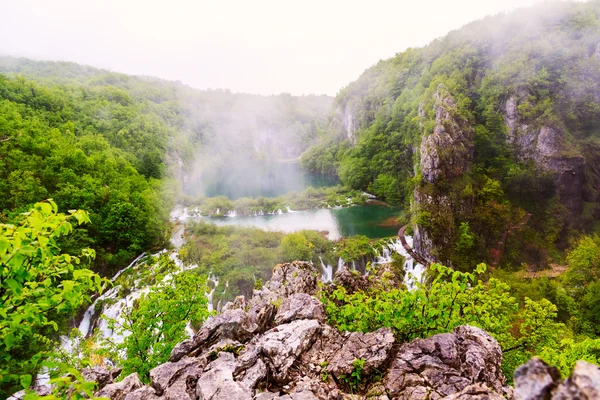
x=278, y=345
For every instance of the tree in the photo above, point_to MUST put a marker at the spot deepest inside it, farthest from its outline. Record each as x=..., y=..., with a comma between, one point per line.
x=157, y=322
x=40, y=287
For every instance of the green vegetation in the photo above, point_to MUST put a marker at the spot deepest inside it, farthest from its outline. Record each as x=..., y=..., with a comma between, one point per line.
x=309, y=198
x=157, y=321
x=452, y=298
x=40, y=288
x=108, y=143
x=545, y=58
x=242, y=258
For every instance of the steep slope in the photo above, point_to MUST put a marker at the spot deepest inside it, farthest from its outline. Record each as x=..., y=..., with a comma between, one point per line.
x=492, y=127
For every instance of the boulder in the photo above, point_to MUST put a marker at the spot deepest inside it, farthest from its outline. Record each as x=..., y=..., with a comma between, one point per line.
x=281, y=346
x=445, y=364
x=374, y=348
x=584, y=383
x=217, y=383
x=300, y=306
x=143, y=393
x=167, y=374
x=101, y=375
x=535, y=380
x=232, y=324
x=120, y=390
x=476, y=391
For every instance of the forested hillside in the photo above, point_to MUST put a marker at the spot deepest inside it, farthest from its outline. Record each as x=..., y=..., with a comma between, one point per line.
x=489, y=135
x=116, y=145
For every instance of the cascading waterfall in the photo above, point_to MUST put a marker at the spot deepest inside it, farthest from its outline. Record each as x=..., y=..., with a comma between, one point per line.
x=215, y=281
x=414, y=271
x=327, y=271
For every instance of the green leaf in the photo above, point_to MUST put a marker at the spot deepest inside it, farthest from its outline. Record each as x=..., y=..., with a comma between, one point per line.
x=25, y=381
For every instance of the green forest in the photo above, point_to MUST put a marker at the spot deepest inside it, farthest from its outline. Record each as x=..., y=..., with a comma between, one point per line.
x=93, y=162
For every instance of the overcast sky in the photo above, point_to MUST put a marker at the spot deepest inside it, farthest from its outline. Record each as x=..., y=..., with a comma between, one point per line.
x=256, y=46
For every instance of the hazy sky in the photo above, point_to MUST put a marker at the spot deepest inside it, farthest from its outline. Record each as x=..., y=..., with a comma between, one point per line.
x=256, y=46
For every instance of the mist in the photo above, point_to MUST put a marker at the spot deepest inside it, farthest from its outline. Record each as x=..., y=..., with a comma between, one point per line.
x=262, y=47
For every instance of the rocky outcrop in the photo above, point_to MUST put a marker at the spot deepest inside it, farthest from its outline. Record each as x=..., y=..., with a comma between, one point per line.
x=536, y=380
x=447, y=152
x=252, y=352
x=446, y=364
x=277, y=345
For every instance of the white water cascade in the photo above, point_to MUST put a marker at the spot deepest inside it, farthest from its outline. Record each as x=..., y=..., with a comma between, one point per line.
x=215, y=281
x=327, y=271
x=414, y=271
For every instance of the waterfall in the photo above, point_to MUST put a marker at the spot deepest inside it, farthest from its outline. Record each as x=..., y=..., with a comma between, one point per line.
x=232, y=213
x=279, y=211
x=84, y=325
x=289, y=209
x=215, y=281
x=414, y=271
x=327, y=271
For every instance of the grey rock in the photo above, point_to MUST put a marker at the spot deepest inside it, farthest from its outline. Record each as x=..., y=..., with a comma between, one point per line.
x=167, y=374
x=233, y=324
x=535, y=380
x=476, y=391
x=267, y=396
x=119, y=390
x=144, y=393
x=300, y=306
x=217, y=383
x=374, y=348
x=584, y=383
x=282, y=345
x=287, y=280
x=252, y=376
x=101, y=375
x=445, y=364
x=448, y=151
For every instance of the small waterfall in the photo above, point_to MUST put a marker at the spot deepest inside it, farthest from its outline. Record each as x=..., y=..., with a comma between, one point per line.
x=341, y=263
x=289, y=210
x=84, y=325
x=279, y=211
x=327, y=271
x=189, y=330
x=215, y=281
x=232, y=213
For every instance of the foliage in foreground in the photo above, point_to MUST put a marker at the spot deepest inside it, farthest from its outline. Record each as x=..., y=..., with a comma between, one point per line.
x=156, y=322
x=455, y=298
x=40, y=288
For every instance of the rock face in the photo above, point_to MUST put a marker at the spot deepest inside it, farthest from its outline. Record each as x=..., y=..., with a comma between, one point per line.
x=446, y=364
x=549, y=149
x=256, y=350
x=447, y=152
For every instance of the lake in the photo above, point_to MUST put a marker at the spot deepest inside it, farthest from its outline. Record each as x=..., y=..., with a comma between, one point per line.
x=364, y=220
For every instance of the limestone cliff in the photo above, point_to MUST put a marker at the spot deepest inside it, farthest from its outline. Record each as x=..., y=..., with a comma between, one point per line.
x=548, y=147
x=445, y=155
